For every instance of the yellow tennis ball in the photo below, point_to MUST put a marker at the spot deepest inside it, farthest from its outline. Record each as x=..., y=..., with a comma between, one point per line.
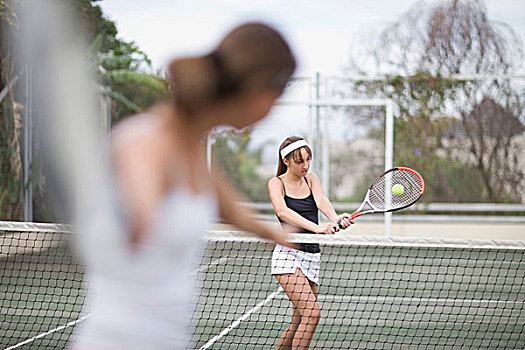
x=398, y=190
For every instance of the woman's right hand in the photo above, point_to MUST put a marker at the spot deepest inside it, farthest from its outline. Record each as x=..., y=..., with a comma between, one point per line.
x=328, y=229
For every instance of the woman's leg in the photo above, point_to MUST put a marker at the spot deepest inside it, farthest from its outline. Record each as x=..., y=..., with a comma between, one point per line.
x=285, y=342
x=306, y=311
x=315, y=288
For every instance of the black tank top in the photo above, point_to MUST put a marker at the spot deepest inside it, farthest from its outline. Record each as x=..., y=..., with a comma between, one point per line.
x=307, y=208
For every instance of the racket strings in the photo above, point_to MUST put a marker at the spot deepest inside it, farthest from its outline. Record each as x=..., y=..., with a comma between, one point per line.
x=381, y=196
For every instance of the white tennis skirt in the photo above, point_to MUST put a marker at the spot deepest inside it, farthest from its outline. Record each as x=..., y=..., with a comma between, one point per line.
x=288, y=260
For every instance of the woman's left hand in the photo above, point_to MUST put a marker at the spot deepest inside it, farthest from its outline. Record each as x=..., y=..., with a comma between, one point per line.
x=344, y=220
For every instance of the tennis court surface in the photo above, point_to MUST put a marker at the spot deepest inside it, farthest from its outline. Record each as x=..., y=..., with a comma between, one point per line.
x=375, y=293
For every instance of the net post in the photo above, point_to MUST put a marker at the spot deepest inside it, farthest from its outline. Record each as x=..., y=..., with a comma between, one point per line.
x=208, y=150
x=317, y=129
x=389, y=158
x=28, y=146
x=325, y=161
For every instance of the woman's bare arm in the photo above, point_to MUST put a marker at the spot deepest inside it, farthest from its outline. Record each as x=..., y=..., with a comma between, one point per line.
x=324, y=204
x=244, y=218
x=275, y=189
x=321, y=200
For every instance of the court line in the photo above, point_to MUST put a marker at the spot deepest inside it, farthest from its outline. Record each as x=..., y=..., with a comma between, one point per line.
x=27, y=341
x=213, y=263
x=222, y=260
x=240, y=319
x=72, y=323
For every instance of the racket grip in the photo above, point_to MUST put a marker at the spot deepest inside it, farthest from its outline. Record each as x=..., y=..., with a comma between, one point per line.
x=351, y=218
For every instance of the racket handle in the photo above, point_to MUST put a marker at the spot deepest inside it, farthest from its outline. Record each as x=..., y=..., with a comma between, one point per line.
x=339, y=222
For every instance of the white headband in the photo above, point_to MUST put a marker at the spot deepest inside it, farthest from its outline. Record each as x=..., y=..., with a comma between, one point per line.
x=292, y=147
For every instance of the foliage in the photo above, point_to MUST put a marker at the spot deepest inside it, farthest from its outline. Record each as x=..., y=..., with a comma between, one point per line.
x=449, y=127
x=122, y=66
x=124, y=69
x=233, y=153
x=7, y=15
x=11, y=182
x=124, y=73
x=131, y=91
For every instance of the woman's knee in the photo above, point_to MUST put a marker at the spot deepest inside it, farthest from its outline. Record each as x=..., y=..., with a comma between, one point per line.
x=315, y=313
x=311, y=313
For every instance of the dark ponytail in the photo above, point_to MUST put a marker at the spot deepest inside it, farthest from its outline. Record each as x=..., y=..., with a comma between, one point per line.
x=252, y=57
x=296, y=154
x=193, y=81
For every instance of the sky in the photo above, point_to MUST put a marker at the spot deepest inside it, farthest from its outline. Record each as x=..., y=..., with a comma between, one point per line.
x=320, y=32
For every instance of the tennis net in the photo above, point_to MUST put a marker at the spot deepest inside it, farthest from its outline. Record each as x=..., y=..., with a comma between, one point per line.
x=41, y=292
x=375, y=293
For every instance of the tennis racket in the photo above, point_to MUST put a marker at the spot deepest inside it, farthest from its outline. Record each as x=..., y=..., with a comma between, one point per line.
x=383, y=197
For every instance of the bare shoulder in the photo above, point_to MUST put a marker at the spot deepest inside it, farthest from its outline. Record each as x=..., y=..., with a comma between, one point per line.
x=274, y=181
x=275, y=184
x=137, y=129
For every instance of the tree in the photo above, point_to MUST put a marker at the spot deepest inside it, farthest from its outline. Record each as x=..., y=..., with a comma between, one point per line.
x=11, y=182
x=435, y=115
x=493, y=133
x=123, y=67
x=124, y=73
x=233, y=153
x=131, y=89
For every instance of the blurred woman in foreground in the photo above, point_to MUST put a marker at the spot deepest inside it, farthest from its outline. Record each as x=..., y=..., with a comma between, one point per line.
x=141, y=286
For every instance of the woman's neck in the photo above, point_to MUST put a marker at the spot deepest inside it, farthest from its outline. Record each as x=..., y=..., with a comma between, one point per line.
x=188, y=131
x=292, y=178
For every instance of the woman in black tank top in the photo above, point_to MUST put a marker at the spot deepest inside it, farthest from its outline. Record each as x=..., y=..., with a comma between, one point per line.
x=307, y=208
x=297, y=198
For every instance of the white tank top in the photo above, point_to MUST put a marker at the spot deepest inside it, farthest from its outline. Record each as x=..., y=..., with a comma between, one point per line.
x=142, y=298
